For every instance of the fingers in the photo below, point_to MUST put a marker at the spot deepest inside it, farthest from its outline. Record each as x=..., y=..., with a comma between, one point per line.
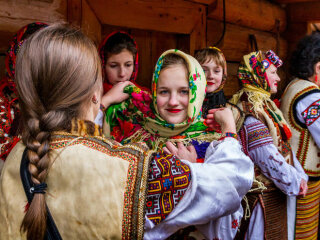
x=191, y=149
x=165, y=149
x=213, y=110
x=171, y=148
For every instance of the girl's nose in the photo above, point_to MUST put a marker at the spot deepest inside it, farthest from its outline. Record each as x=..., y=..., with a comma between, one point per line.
x=173, y=100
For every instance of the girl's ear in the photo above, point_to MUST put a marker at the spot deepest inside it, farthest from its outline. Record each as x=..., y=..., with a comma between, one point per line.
x=317, y=68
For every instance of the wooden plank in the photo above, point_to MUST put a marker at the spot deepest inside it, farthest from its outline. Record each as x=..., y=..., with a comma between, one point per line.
x=14, y=15
x=292, y=1
x=304, y=12
x=206, y=2
x=90, y=24
x=198, y=35
x=236, y=40
x=257, y=14
x=75, y=12
x=232, y=84
x=175, y=16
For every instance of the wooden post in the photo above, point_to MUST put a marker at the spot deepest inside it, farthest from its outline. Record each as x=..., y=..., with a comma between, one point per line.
x=74, y=14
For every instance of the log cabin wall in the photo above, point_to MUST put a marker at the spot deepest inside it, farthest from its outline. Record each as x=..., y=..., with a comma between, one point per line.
x=160, y=25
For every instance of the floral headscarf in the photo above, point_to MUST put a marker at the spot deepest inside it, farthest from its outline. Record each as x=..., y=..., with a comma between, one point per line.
x=254, y=97
x=144, y=111
x=102, y=48
x=8, y=94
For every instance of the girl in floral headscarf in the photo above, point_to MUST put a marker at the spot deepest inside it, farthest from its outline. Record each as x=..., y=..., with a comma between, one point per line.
x=264, y=138
x=9, y=108
x=171, y=116
x=154, y=125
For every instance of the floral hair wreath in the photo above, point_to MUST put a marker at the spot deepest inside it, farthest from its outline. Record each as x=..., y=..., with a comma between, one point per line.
x=271, y=58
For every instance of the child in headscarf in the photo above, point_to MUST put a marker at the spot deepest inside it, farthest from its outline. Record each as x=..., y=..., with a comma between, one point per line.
x=9, y=108
x=119, y=57
x=171, y=117
x=265, y=138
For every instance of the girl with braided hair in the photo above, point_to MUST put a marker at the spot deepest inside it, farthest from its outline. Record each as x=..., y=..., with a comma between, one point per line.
x=93, y=183
x=64, y=180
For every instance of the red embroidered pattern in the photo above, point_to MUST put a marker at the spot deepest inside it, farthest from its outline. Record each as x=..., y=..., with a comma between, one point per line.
x=312, y=113
x=169, y=179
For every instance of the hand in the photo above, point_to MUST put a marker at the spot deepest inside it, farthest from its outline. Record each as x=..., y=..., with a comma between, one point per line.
x=186, y=153
x=303, y=188
x=222, y=117
x=115, y=94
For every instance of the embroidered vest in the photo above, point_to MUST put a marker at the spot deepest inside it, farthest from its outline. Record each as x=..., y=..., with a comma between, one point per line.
x=302, y=142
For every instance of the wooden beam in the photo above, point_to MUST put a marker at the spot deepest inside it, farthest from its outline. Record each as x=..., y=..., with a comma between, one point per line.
x=198, y=36
x=236, y=43
x=175, y=16
x=304, y=12
x=232, y=84
x=90, y=24
x=292, y=1
x=16, y=14
x=75, y=12
x=206, y=2
x=261, y=15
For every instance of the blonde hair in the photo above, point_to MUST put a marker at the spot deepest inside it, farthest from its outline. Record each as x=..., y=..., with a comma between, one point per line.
x=57, y=72
x=207, y=54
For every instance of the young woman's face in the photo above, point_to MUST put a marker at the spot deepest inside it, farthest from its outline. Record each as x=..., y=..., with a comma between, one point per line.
x=173, y=94
x=214, y=74
x=273, y=78
x=119, y=67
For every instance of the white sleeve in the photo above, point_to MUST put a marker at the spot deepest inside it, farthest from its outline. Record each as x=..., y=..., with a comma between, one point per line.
x=266, y=156
x=216, y=190
x=99, y=118
x=308, y=112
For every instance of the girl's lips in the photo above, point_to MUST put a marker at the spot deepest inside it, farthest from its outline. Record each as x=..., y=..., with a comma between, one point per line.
x=210, y=83
x=174, y=110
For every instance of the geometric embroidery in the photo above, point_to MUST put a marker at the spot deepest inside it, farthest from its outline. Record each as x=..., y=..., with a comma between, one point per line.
x=168, y=180
x=258, y=135
x=312, y=113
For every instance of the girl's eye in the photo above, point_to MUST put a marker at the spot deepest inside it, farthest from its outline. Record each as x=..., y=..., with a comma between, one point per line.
x=113, y=65
x=129, y=64
x=217, y=71
x=185, y=92
x=162, y=92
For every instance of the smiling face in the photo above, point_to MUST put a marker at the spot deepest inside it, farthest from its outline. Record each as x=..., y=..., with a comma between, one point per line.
x=214, y=75
x=273, y=78
x=173, y=94
x=119, y=67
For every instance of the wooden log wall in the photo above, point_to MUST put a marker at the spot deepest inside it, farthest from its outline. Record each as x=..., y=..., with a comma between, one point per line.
x=159, y=25
x=15, y=14
x=261, y=18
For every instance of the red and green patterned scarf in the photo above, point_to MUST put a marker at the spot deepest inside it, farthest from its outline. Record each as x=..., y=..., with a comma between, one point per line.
x=138, y=119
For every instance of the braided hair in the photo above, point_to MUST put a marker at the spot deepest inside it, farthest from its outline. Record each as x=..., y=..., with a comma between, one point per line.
x=57, y=72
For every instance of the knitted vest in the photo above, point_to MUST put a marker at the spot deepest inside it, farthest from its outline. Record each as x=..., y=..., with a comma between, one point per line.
x=302, y=142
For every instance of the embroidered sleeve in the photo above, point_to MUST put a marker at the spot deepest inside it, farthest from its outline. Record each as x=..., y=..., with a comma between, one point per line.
x=312, y=113
x=169, y=179
x=258, y=135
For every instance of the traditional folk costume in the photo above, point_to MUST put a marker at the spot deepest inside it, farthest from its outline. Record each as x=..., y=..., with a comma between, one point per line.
x=103, y=56
x=9, y=109
x=300, y=106
x=139, y=120
x=265, y=138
